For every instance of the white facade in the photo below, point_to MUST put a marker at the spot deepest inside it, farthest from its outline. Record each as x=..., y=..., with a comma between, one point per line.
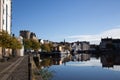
x=20, y=52
x=5, y=15
x=76, y=47
x=80, y=46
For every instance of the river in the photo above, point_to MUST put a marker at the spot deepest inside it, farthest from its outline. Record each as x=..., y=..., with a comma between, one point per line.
x=84, y=67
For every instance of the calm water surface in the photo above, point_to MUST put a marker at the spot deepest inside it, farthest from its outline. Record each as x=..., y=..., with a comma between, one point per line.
x=85, y=67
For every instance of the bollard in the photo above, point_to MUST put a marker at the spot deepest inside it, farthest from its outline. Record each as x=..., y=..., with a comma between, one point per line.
x=29, y=69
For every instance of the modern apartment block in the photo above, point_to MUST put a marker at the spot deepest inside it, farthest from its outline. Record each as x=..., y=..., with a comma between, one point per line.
x=5, y=15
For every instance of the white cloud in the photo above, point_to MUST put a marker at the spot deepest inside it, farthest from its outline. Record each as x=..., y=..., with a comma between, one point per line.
x=112, y=33
x=92, y=62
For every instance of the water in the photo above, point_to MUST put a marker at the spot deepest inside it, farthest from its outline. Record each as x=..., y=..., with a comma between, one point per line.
x=85, y=67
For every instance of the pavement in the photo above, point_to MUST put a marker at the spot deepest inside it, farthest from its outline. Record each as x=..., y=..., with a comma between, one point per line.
x=14, y=69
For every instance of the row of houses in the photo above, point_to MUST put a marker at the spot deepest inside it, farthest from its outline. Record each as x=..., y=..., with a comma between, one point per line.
x=106, y=44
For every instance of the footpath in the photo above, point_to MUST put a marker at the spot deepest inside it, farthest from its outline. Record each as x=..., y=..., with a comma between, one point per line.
x=15, y=69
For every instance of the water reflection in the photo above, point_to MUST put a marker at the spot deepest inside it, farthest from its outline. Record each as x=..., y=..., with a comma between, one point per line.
x=105, y=61
x=80, y=57
x=94, y=66
x=111, y=61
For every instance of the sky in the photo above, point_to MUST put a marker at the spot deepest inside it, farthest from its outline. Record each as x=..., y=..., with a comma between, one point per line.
x=72, y=20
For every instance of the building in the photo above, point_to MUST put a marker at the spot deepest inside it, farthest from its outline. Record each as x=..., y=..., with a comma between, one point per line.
x=33, y=35
x=25, y=34
x=60, y=48
x=94, y=47
x=104, y=42
x=85, y=45
x=75, y=46
x=80, y=46
x=109, y=43
x=116, y=43
x=5, y=17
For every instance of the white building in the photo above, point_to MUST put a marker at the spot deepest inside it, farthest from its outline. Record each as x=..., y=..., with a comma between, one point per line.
x=5, y=15
x=80, y=46
x=20, y=52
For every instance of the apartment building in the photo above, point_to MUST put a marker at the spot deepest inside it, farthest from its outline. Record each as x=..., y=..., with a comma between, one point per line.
x=5, y=17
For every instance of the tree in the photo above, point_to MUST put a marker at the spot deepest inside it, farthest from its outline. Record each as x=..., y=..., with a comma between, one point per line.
x=7, y=41
x=27, y=44
x=31, y=44
x=15, y=44
x=51, y=46
x=35, y=45
x=45, y=47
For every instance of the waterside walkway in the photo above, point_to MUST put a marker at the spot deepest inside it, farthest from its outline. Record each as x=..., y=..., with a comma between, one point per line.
x=15, y=69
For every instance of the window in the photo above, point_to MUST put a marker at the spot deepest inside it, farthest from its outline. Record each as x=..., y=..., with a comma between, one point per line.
x=3, y=21
x=6, y=17
x=3, y=1
x=3, y=11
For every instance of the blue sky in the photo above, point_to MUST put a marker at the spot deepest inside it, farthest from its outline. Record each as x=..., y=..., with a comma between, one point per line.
x=57, y=20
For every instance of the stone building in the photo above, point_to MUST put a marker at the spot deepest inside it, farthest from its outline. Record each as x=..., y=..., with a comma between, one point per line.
x=109, y=43
x=26, y=34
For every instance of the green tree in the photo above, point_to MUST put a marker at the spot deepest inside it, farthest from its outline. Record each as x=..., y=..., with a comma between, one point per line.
x=35, y=45
x=45, y=47
x=27, y=44
x=7, y=41
x=31, y=44
x=51, y=46
x=15, y=44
